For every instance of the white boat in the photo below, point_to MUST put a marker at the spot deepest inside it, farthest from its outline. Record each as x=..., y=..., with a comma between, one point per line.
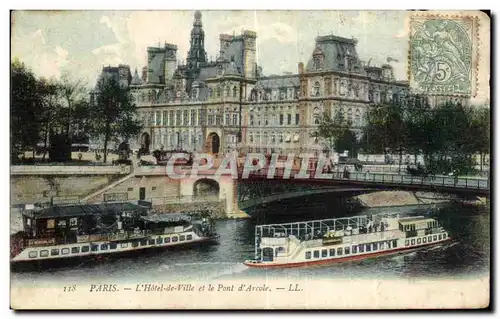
x=342, y=239
x=93, y=230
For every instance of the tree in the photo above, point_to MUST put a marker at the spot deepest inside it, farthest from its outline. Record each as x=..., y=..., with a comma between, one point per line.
x=347, y=141
x=376, y=133
x=81, y=121
x=25, y=109
x=480, y=132
x=73, y=92
x=113, y=113
x=331, y=129
x=51, y=110
x=418, y=124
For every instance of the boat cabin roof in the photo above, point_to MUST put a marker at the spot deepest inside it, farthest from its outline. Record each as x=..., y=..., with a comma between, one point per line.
x=58, y=211
x=169, y=217
x=414, y=220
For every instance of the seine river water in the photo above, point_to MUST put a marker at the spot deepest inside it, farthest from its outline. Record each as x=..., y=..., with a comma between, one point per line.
x=468, y=256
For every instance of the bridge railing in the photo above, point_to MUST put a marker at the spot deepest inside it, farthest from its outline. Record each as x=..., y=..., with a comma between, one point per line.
x=442, y=181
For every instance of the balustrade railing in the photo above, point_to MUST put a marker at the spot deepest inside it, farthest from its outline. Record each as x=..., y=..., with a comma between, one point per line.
x=442, y=181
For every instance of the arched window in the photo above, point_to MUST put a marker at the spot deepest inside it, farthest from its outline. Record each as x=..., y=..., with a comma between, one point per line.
x=264, y=142
x=235, y=91
x=340, y=114
x=357, y=118
x=273, y=138
x=251, y=137
x=228, y=91
x=316, y=115
x=349, y=116
x=317, y=89
x=218, y=92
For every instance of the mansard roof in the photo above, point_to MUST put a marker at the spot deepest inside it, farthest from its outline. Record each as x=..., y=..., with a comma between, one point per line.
x=335, y=49
x=278, y=81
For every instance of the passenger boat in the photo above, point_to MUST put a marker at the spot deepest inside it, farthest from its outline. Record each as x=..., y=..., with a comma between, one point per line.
x=342, y=239
x=93, y=230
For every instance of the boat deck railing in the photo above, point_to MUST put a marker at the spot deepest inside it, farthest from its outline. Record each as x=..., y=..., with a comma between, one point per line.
x=315, y=229
x=331, y=224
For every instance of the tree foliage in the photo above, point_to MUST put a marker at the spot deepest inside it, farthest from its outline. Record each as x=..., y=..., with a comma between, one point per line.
x=25, y=109
x=60, y=111
x=113, y=114
x=447, y=135
x=337, y=134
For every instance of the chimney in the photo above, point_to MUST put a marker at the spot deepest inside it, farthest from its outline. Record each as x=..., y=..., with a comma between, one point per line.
x=301, y=67
x=144, y=74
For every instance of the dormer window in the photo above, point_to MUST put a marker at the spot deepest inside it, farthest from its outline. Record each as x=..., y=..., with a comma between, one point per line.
x=317, y=63
x=318, y=58
x=220, y=70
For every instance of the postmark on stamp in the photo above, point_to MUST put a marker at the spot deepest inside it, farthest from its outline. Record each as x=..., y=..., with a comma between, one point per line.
x=442, y=59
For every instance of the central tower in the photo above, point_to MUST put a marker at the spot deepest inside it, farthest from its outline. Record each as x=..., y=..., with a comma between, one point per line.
x=197, y=52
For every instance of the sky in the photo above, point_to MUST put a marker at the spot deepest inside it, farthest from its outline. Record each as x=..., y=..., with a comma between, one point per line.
x=82, y=42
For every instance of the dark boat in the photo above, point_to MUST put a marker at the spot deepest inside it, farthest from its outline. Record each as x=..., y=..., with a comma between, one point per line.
x=64, y=233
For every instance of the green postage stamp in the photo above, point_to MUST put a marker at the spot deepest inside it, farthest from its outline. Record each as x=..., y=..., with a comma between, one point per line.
x=443, y=55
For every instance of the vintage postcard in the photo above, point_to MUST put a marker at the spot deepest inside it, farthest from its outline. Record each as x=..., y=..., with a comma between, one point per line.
x=203, y=159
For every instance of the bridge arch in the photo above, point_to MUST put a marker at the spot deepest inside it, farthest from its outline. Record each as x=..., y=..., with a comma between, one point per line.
x=206, y=187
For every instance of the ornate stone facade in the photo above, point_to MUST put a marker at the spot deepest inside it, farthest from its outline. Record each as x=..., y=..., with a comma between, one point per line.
x=207, y=105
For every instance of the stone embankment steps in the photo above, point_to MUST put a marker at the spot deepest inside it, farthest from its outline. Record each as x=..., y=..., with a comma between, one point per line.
x=108, y=187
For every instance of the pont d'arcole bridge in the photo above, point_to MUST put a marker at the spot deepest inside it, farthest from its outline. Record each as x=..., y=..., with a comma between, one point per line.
x=248, y=186
x=259, y=189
